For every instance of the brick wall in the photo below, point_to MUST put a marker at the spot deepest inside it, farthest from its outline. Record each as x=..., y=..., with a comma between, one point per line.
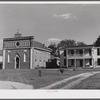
x=12, y=55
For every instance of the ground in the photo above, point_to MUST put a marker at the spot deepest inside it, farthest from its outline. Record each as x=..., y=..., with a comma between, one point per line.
x=93, y=82
x=48, y=76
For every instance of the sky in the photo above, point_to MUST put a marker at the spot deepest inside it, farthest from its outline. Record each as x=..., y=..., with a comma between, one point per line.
x=51, y=22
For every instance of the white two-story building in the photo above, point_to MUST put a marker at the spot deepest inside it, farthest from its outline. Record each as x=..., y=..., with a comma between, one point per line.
x=80, y=56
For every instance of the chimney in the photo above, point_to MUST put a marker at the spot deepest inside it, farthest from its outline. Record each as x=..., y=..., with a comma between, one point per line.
x=17, y=35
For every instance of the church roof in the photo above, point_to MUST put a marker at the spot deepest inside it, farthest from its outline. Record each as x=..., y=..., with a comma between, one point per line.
x=37, y=44
x=18, y=38
x=34, y=43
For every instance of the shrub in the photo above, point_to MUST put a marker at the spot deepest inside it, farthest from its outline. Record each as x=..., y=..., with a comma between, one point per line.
x=74, y=69
x=62, y=70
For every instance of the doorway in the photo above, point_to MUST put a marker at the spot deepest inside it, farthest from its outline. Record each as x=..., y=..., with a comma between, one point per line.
x=81, y=63
x=17, y=62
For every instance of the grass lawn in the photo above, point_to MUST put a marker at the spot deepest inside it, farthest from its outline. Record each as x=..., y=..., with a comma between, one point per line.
x=93, y=82
x=31, y=77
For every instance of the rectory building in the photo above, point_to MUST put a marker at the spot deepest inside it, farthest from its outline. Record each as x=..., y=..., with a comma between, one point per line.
x=80, y=56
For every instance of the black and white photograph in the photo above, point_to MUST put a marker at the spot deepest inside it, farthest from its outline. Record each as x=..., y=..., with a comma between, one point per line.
x=49, y=46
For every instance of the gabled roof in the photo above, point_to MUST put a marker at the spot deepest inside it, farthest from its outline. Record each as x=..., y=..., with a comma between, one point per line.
x=19, y=38
x=37, y=44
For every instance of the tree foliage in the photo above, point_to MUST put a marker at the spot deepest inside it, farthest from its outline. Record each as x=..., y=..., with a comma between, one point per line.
x=97, y=42
x=63, y=44
x=66, y=43
x=80, y=44
x=53, y=47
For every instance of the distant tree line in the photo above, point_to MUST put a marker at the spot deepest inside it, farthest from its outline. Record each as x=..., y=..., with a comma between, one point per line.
x=63, y=44
x=97, y=42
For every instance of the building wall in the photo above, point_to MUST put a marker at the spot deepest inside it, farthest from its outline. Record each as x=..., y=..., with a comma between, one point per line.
x=86, y=56
x=1, y=58
x=62, y=57
x=96, y=57
x=12, y=55
x=40, y=58
x=12, y=44
x=77, y=63
x=22, y=52
x=86, y=52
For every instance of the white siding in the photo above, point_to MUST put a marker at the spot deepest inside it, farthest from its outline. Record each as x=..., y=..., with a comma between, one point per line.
x=1, y=58
x=40, y=58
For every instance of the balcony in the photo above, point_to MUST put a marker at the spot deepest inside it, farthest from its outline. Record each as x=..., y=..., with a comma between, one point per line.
x=79, y=55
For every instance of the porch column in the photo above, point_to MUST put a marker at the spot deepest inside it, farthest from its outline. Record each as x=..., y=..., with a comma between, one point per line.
x=3, y=59
x=75, y=53
x=31, y=57
x=92, y=54
x=67, y=57
x=83, y=52
x=75, y=58
x=83, y=62
x=75, y=62
x=93, y=62
x=83, y=58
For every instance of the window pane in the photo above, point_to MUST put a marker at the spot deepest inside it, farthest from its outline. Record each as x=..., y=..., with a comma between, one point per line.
x=98, y=61
x=64, y=62
x=24, y=57
x=64, y=52
x=8, y=57
x=98, y=51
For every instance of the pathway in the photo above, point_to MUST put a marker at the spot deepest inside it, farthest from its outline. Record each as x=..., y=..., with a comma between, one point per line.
x=14, y=85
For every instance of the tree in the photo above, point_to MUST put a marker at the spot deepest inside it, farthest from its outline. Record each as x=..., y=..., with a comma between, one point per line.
x=80, y=44
x=65, y=43
x=68, y=43
x=53, y=47
x=97, y=42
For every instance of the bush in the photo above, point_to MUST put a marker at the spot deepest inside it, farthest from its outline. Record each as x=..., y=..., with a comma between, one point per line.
x=62, y=70
x=74, y=69
x=39, y=72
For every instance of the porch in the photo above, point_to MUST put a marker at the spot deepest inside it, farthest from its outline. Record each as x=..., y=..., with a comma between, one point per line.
x=79, y=62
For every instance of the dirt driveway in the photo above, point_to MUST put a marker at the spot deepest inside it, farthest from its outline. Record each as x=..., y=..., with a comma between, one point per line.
x=71, y=81
x=14, y=85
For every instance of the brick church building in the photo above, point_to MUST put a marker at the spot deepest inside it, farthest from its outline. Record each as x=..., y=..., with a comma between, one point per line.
x=24, y=53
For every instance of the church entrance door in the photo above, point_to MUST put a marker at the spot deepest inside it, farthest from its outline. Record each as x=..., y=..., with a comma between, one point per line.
x=17, y=62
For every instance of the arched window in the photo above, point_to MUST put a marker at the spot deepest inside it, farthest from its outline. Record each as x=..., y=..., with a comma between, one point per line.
x=17, y=61
x=25, y=55
x=8, y=56
x=35, y=58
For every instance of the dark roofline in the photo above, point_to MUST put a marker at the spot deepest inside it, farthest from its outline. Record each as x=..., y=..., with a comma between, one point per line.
x=39, y=45
x=72, y=47
x=18, y=38
x=43, y=49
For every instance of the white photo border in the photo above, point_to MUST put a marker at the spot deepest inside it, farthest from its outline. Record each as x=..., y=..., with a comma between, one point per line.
x=49, y=94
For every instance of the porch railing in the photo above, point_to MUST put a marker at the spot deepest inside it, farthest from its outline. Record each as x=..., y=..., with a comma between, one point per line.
x=78, y=55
